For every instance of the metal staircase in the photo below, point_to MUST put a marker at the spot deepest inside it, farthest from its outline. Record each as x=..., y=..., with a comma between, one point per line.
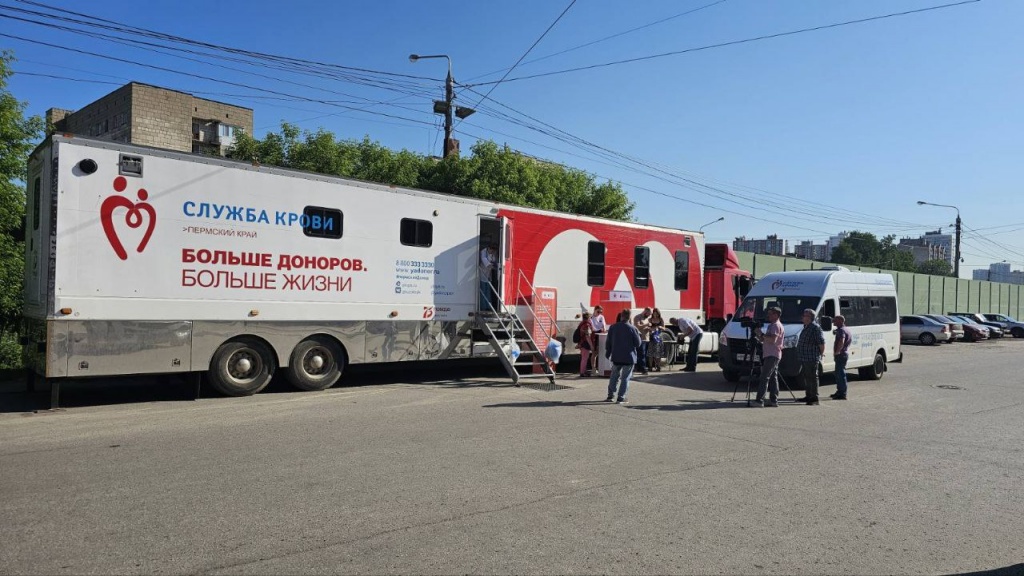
x=503, y=328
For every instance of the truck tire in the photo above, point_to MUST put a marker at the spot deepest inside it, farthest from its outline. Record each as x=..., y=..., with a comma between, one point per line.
x=241, y=368
x=875, y=371
x=316, y=364
x=927, y=338
x=731, y=375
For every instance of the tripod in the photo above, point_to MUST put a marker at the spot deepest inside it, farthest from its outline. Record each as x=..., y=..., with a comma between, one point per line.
x=753, y=352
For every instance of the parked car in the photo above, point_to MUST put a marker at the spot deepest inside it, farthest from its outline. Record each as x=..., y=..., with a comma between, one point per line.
x=956, y=327
x=1004, y=328
x=993, y=331
x=923, y=330
x=1016, y=326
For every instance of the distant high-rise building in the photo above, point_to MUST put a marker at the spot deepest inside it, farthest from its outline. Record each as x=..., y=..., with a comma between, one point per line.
x=771, y=245
x=1000, y=272
x=834, y=242
x=922, y=249
x=811, y=251
x=945, y=240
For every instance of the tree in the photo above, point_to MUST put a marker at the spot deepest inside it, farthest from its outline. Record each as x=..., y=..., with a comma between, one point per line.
x=865, y=249
x=935, y=268
x=17, y=135
x=491, y=172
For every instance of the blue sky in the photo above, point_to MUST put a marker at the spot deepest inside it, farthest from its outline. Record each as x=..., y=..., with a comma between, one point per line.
x=803, y=135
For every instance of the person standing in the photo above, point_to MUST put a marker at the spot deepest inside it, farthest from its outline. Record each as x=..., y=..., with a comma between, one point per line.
x=600, y=327
x=655, y=349
x=689, y=328
x=771, y=339
x=621, y=348
x=810, y=348
x=586, y=344
x=841, y=352
x=488, y=260
x=642, y=322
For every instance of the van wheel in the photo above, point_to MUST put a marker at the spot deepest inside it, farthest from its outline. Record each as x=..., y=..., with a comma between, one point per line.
x=241, y=368
x=731, y=375
x=927, y=338
x=316, y=364
x=875, y=371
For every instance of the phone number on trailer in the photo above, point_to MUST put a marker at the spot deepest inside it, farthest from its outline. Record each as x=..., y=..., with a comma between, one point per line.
x=414, y=263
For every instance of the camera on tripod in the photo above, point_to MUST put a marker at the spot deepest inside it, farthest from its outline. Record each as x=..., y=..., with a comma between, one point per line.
x=752, y=323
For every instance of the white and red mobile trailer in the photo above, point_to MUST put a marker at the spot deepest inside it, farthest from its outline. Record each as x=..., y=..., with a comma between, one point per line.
x=143, y=261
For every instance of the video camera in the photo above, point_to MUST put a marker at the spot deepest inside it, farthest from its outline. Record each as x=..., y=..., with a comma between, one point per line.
x=751, y=323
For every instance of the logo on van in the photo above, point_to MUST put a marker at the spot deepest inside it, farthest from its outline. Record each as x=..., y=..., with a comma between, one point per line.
x=137, y=214
x=782, y=286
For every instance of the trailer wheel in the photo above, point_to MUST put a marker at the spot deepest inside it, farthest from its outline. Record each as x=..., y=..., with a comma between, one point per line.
x=241, y=368
x=316, y=364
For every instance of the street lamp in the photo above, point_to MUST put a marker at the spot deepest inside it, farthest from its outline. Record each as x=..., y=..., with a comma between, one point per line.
x=701, y=229
x=956, y=260
x=445, y=106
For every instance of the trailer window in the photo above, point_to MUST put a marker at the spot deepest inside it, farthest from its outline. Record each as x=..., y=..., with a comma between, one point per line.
x=641, y=267
x=322, y=222
x=36, y=201
x=416, y=233
x=682, y=270
x=595, y=264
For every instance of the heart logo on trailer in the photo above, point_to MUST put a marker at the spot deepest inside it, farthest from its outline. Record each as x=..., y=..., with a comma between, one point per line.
x=136, y=214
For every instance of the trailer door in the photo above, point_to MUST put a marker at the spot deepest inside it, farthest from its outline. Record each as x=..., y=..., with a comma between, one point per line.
x=506, y=278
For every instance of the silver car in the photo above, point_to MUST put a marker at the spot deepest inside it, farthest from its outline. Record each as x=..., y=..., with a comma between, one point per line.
x=923, y=329
x=956, y=327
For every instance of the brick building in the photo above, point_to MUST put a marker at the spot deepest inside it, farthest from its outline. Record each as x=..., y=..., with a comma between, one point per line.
x=152, y=116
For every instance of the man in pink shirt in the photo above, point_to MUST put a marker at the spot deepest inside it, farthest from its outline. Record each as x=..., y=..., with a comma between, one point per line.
x=771, y=338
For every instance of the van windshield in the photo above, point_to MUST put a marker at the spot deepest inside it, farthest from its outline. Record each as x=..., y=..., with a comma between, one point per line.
x=792, y=307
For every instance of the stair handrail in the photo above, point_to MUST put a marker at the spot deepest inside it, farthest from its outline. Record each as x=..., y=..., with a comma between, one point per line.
x=544, y=308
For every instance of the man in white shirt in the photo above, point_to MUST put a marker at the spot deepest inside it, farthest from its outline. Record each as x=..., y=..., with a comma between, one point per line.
x=488, y=259
x=599, y=325
x=689, y=328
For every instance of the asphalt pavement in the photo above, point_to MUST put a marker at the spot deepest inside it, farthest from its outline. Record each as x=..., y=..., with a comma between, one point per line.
x=443, y=473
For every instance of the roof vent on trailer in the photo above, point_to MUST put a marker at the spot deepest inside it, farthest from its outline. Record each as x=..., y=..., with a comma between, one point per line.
x=130, y=165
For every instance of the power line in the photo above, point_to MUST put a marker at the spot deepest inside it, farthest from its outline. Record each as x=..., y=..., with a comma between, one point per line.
x=259, y=55
x=629, y=163
x=201, y=77
x=528, y=50
x=606, y=38
x=733, y=42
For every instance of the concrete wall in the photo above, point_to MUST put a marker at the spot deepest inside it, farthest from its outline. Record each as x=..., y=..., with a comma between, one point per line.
x=917, y=293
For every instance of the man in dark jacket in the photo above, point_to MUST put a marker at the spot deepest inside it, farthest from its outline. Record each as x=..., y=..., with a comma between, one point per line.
x=622, y=345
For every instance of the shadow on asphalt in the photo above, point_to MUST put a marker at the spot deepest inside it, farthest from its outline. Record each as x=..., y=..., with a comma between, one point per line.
x=1015, y=570
x=82, y=392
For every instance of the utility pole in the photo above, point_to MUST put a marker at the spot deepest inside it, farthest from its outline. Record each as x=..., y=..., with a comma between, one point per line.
x=449, y=97
x=447, y=106
x=956, y=262
x=956, y=255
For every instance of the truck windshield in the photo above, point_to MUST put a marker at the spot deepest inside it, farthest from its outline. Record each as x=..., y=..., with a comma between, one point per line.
x=792, y=307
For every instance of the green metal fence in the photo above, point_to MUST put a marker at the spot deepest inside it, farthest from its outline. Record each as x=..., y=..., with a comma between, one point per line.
x=917, y=293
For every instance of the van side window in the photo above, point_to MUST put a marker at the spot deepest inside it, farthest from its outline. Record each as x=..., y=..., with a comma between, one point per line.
x=682, y=281
x=416, y=233
x=829, y=309
x=322, y=222
x=641, y=267
x=595, y=263
x=868, y=310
